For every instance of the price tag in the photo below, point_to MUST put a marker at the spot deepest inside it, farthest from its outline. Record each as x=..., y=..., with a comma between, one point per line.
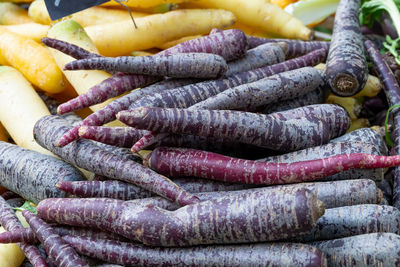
x=61, y=8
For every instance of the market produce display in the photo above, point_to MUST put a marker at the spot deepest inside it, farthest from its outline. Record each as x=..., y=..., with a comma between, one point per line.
x=200, y=133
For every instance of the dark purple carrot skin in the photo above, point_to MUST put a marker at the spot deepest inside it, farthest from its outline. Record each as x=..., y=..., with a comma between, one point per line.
x=16, y=202
x=376, y=249
x=265, y=254
x=10, y=222
x=295, y=47
x=182, y=65
x=279, y=87
x=353, y=220
x=178, y=162
x=27, y=235
x=59, y=251
x=68, y=48
x=346, y=65
x=333, y=149
x=392, y=91
x=269, y=131
x=242, y=218
x=49, y=129
x=9, y=194
x=33, y=175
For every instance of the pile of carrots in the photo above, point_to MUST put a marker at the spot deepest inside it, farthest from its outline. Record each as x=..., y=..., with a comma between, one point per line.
x=204, y=133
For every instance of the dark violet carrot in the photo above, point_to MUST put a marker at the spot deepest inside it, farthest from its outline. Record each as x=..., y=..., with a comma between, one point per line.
x=183, y=65
x=191, y=94
x=9, y=194
x=59, y=251
x=333, y=149
x=177, y=162
x=353, y=220
x=33, y=175
x=68, y=48
x=376, y=249
x=230, y=44
x=27, y=235
x=84, y=153
x=346, y=65
x=279, y=132
x=265, y=254
x=10, y=222
x=256, y=216
x=295, y=47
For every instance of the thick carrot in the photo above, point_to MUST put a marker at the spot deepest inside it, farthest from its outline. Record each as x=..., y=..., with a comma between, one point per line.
x=181, y=65
x=295, y=47
x=333, y=149
x=177, y=162
x=376, y=249
x=241, y=218
x=10, y=222
x=11, y=13
x=62, y=254
x=278, y=131
x=346, y=65
x=33, y=175
x=265, y=254
x=275, y=88
x=353, y=220
x=50, y=128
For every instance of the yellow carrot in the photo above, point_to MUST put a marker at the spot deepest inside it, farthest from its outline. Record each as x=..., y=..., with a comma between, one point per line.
x=143, y=3
x=178, y=41
x=34, y=31
x=252, y=31
x=10, y=254
x=70, y=31
x=358, y=124
x=32, y=60
x=13, y=14
x=352, y=105
x=141, y=53
x=20, y=108
x=263, y=15
x=90, y=16
x=3, y=133
x=282, y=3
x=120, y=38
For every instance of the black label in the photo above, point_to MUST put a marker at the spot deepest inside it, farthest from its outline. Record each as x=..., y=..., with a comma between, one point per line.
x=61, y=8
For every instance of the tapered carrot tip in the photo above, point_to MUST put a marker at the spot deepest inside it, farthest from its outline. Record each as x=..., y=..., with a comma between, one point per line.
x=128, y=116
x=64, y=108
x=64, y=186
x=69, y=137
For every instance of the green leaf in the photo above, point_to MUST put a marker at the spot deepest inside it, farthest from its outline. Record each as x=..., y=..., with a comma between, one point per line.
x=387, y=135
x=27, y=206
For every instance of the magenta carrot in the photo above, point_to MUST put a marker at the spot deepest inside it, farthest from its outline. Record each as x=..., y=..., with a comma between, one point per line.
x=295, y=47
x=177, y=162
x=230, y=44
x=10, y=222
x=59, y=251
x=346, y=65
x=265, y=254
x=84, y=153
x=255, y=216
x=277, y=132
x=183, y=65
x=68, y=48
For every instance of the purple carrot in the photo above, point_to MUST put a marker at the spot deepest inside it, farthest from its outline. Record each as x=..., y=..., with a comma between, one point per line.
x=191, y=94
x=295, y=47
x=9, y=194
x=68, y=48
x=256, y=216
x=10, y=222
x=16, y=202
x=177, y=162
x=353, y=220
x=27, y=235
x=265, y=254
x=182, y=65
x=84, y=153
x=333, y=149
x=392, y=91
x=346, y=65
x=278, y=132
x=126, y=191
x=59, y=251
x=33, y=175
x=230, y=44
x=376, y=249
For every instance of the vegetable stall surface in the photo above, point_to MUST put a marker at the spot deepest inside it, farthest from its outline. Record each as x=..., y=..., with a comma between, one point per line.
x=255, y=216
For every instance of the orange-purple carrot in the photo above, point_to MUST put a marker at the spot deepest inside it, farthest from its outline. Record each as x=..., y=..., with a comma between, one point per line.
x=58, y=250
x=83, y=154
